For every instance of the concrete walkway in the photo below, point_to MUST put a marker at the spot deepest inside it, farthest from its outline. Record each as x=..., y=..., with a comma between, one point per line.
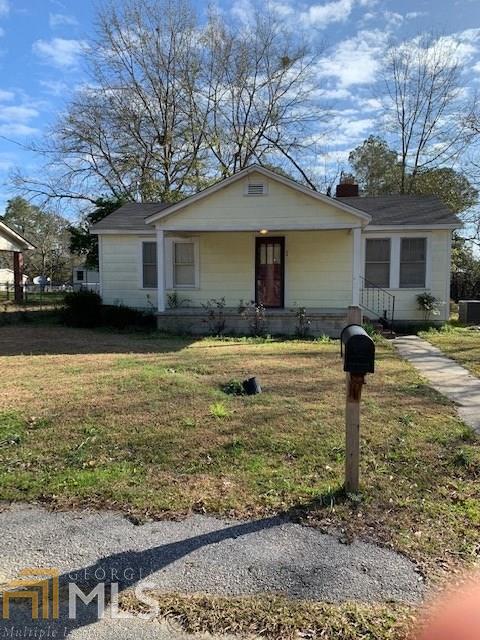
x=198, y=554
x=445, y=375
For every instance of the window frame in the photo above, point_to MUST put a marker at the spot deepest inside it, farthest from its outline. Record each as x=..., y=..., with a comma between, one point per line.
x=390, y=243
x=170, y=243
x=395, y=245
x=424, y=262
x=142, y=265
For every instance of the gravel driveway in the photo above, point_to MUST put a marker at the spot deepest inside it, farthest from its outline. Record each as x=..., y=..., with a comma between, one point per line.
x=198, y=554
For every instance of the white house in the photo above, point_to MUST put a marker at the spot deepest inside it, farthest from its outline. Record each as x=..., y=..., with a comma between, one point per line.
x=85, y=278
x=7, y=278
x=263, y=237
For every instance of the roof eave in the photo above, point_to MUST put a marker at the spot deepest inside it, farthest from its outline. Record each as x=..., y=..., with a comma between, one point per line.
x=25, y=244
x=403, y=226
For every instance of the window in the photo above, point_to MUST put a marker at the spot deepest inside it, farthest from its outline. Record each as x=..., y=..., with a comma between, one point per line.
x=149, y=263
x=80, y=275
x=413, y=262
x=183, y=264
x=256, y=189
x=377, y=262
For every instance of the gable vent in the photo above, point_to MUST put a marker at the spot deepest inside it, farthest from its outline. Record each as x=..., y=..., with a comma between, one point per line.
x=256, y=189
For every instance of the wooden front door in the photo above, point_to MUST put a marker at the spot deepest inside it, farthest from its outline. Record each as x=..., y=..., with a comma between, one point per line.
x=269, y=271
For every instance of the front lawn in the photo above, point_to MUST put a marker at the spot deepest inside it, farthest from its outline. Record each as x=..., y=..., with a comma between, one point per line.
x=140, y=424
x=459, y=343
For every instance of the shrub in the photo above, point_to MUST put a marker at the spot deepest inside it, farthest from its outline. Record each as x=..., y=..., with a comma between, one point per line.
x=233, y=388
x=256, y=316
x=428, y=304
x=121, y=317
x=303, y=322
x=215, y=315
x=82, y=309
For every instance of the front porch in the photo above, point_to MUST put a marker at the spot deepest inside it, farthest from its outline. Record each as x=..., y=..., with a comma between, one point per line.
x=196, y=321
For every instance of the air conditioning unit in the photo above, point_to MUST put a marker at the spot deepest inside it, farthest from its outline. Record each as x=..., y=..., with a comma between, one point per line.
x=469, y=311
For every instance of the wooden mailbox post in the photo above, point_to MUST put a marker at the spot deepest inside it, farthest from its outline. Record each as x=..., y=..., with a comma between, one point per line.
x=358, y=351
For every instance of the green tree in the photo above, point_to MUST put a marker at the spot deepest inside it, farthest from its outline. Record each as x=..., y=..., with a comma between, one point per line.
x=453, y=188
x=48, y=232
x=465, y=271
x=378, y=172
x=376, y=167
x=84, y=244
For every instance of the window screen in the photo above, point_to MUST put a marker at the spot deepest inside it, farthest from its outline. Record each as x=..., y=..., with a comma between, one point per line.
x=377, y=262
x=413, y=262
x=183, y=264
x=149, y=254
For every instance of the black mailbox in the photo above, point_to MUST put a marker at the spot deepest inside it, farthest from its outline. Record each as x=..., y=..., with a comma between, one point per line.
x=358, y=350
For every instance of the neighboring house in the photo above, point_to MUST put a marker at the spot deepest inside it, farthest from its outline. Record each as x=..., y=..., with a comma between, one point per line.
x=7, y=278
x=260, y=236
x=84, y=278
x=11, y=242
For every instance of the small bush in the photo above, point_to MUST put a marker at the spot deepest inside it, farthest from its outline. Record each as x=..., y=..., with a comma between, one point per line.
x=233, y=388
x=219, y=410
x=122, y=317
x=215, y=315
x=82, y=309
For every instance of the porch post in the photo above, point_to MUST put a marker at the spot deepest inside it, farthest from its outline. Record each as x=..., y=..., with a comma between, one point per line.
x=160, y=270
x=18, y=276
x=356, y=265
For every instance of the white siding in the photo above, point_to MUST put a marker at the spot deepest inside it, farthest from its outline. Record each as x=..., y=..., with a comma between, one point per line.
x=281, y=208
x=438, y=273
x=121, y=271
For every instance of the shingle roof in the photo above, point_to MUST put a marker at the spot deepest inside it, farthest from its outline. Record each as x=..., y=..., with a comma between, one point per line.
x=130, y=217
x=403, y=210
x=398, y=210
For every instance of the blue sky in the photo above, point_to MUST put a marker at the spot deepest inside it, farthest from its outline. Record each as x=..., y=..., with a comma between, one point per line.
x=40, y=43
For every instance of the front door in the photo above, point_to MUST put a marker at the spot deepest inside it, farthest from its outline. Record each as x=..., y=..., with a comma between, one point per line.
x=269, y=271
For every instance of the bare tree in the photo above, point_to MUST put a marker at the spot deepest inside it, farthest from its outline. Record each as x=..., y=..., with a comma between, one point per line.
x=172, y=105
x=424, y=104
x=260, y=90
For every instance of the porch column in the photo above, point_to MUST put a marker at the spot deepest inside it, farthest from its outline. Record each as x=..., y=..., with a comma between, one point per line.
x=356, y=265
x=160, y=270
x=18, y=275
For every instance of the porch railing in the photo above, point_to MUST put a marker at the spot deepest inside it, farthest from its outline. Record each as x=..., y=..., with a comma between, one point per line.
x=378, y=301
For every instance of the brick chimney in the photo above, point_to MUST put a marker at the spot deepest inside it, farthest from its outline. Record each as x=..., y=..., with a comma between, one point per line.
x=347, y=187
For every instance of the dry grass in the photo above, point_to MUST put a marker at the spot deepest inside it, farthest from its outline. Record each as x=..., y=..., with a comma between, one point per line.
x=276, y=617
x=127, y=422
x=458, y=343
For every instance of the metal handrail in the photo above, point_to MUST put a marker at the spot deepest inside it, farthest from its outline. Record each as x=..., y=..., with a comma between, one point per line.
x=378, y=301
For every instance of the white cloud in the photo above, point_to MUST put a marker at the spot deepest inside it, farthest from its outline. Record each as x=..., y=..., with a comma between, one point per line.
x=54, y=87
x=4, y=7
x=411, y=15
x=61, y=19
x=393, y=19
x=355, y=60
x=321, y=15
x=5, y=96
x=58, y=51
x=17, y=129
x=17, y=114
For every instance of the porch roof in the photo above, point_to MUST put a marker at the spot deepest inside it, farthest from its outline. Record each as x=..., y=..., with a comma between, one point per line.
x=11, y=240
